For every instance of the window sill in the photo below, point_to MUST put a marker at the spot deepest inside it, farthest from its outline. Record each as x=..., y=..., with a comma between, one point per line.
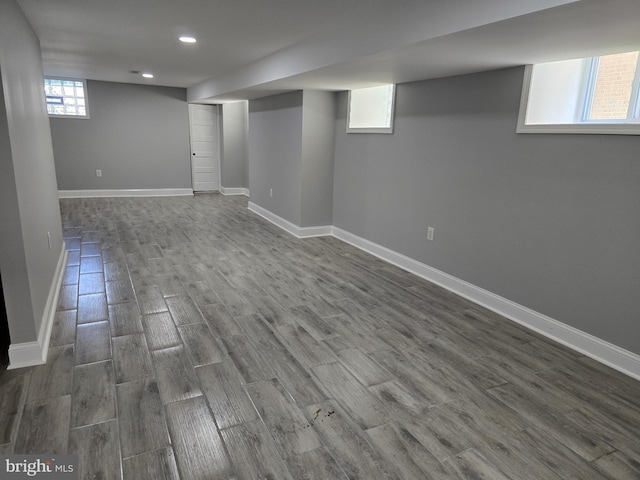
x=584, y=129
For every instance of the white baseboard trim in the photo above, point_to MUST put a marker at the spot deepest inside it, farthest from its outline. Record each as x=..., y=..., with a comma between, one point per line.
x=604, y=352
x=142, y=192
x=322, y=231
x=28, y=354
x=296, y=231
x=286, y=225
x=234, y=191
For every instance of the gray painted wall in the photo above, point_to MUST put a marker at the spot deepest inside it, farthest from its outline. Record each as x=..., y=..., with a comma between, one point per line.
x=548, y=221
x=275, y=152
x=28, y=191
x=318, y=146
x=234, y=158
x=138, y=135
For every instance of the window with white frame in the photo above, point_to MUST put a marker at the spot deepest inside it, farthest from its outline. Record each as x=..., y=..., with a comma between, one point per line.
x=66, y=97
x=589, y=95
x=371, y=110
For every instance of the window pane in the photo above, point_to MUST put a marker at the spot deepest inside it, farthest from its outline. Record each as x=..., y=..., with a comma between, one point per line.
x=371, y=107
x=613, y=86
x=65, y=97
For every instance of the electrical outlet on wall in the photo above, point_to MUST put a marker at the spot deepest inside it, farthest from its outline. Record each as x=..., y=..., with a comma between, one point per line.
x=271, y=192
x=430, y=232
x=98, y=173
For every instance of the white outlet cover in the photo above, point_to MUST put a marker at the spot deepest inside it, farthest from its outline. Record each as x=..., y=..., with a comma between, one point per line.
x=430, y=232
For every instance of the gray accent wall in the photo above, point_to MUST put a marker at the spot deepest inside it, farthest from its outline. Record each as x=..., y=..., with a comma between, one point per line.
x=291, y=147
x=275, y=152
x=28, y=191
x=318, y=140
x=138, y=135
x=550, y=222
x=234, y=158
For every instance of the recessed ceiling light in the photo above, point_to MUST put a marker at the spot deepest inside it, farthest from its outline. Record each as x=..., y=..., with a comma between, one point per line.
x=147, y=75
x=187, y=39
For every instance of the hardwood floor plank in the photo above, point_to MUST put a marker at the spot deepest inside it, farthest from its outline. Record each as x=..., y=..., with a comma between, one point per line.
x=285, y=421
x=92, y=308
x=125, y=319
x=93, y=342
x=230, y=404
x=355, y=399
x=150, y=300
x=201, y=293
x=156, y=465
x=313, y=323
x=44, y=427
x=98, y=450
x=247, y=360
x=63, y=331
x=366, y=371
x=317, y=464
x=200, y=344
x=199, y=450
x=93, y=398
x=618, y=465
x=556, y=456
x=562, y=429
x=405, y=451
x=14, y=387
x=273, y=312
x=253, y=453
x=357, y=334
x=421, y=380
x=307, y=349
x=131, y=358
x=183, y=310
x=473, y=464
x=160, y=331
x=304, y=389
x=71, y=275
x=120, y=291
x=260, y=334
x=90, y=264
x=53, y=379
x=91, y=283
x=141, y=418
x=399, y=400
x=176, y=377
x=220, y=320
x=351, y=448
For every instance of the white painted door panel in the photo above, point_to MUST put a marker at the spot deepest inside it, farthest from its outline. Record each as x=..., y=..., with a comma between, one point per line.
x=205, y=149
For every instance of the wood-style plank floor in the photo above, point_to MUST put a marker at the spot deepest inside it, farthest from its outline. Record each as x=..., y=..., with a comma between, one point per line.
x=195, y=340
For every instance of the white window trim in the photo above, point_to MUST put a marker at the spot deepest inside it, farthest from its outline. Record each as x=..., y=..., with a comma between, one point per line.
x=586, y=128
x=86, y=98
x=383, y=130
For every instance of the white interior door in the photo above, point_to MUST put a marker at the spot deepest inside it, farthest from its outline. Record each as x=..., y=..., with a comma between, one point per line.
x=205, y=148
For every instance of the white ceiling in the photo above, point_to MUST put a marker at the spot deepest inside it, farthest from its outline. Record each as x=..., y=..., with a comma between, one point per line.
x=251, y=48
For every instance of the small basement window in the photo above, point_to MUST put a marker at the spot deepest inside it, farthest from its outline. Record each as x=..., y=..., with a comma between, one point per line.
x=588, y=95
x=66, y=97
x=371, y=110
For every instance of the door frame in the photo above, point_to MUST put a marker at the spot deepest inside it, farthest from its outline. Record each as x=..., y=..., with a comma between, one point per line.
x=217, y=111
